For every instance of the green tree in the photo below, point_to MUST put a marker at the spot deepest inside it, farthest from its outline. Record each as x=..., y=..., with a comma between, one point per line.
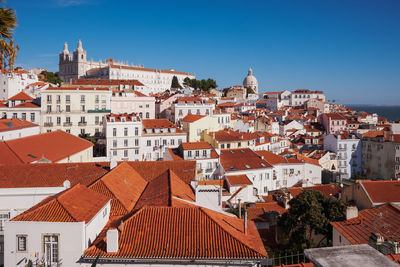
x=51, y=77
x=311, y=213
x=175, y=83
x=8, y=49
x=186, y=82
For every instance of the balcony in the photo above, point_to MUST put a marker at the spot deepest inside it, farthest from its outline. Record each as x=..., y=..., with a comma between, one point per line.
x=48, y=124
x=82, y=123
x=67, y=124
x=99, y=110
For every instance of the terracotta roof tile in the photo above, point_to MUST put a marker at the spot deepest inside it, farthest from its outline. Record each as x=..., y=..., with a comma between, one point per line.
x=53, y=146
x=241, y=159
x=235, y=180
x=77, y=204
x=384, y=220
x=192, y=118
x=15, y=124
x=50, y=174
x=196, y=145
x=382, y=191
x=185, y=233
x=21, y=96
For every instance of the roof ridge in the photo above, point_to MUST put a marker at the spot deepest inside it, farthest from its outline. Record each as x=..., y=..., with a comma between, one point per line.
x=225, y=231
x=111, y=193
x=64, y=208
x=12, y=151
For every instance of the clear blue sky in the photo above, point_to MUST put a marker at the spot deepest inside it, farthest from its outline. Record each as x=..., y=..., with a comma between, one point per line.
x=349, y=49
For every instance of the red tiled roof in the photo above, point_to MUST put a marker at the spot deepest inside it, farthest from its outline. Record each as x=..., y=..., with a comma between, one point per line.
x=394, y=257
x=50, y=174
x=274, y=159
x=373, y=134
x=384, y=220
x=185, y=233
x=196, y=145
x=147, y=69
x=229, y=135
x=185, y=169
x=77, y=204
x=382, y=191
x=157, y=124
x=241, y=159
x=78, y=88
x=53, y=146
x=21, y=96
x=123, y=185
x=15, y=124
x=326, y=189
x=163, y=190
x=235, y=180
x=335, y=116
x=271, y=206
x=26, y=105
x=301, y=264
x=192, y=118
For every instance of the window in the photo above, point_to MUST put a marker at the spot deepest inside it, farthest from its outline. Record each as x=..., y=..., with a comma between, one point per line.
x=51, y=249
x=125, y=153
x=291, y=171
x=136, y=142
x=67, y=119
x=265, y=189
x=204, y=153
x=179, y=141
x=48, y=98
x=68, y=131
x=147, y=115
x=82, y=131
x=198, y=132
x=82, y=99
x=114, y=143
x=125, y=131
x=48, y=108
x=58, y=120
x=114, y=131
x=32, y=117
x=172, y=142
x=115, y=152
x=222, y=146
x=83, y=108
x=148, y=142
x=67, y=108
x=21, y=243
x=164, y=142
x=136, y=131
x=136, y=151
x=96, y=120
x=228, y=145
x=67, y=98
x=23, y=116
x=126, y=142
x=197, y=153
x=82, y=119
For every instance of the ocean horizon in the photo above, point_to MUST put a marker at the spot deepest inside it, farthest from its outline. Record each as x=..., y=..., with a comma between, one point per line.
x=390, y=112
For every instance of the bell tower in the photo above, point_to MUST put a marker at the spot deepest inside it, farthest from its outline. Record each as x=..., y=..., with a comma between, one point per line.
x=79, y=61
x=65, y=63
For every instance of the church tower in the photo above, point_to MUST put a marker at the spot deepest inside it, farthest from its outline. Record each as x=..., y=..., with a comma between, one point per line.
x=79, y=61
x=65, y=63
x=251, y=81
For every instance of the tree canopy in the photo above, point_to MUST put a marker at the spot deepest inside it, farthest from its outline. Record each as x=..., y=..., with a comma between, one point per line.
x=175, y=83
x=8, y=49
x=311, y=213
x=51, y=77
x=204, y=85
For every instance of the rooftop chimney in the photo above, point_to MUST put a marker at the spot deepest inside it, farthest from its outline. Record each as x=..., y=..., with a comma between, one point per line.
x=351, y=212
x=112, y=240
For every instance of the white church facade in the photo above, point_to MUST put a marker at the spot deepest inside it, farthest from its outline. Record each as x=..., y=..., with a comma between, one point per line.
x=75, y=65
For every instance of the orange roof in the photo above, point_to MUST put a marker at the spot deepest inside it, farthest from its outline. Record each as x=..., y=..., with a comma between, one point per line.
x=78, y=88
x=26, y=105
x=123, y=185
x=229, y=135
x=53, y=146
x=384, y=220
x=241, y=159
x=235, y=180
x=15, y=124
x=196, y=145
x=373, y=134
x=274, y=159
x=326, y=189
x=158, y=124
x=185, y=233
x=382, y=191
x=77, y=204
x=185, y=169
x=148, y=69
x=21, y=96
x=394, y=257
x=192, y=118
x=50, y=174
x=163, y=190
x=301, y=264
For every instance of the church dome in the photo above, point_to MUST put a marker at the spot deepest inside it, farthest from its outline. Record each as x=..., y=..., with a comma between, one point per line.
x=251, y=81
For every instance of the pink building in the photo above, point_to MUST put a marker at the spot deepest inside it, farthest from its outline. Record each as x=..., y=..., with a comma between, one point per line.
x=333, y=122
x=133, y=102
x=165, y=102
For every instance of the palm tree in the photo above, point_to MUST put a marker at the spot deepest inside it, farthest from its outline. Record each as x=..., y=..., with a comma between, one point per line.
x=8, y=49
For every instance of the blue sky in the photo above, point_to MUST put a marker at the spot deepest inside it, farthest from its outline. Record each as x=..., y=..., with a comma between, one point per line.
x=348, y=48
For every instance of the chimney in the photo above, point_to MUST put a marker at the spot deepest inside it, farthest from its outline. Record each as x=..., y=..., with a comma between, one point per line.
x=245, y=221
x=351, y=212
x=112, y=240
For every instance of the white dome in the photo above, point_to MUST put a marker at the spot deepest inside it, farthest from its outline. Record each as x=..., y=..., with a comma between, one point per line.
x=251, y=81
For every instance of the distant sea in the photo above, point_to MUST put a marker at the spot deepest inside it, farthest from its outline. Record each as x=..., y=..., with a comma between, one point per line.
x=391, y=113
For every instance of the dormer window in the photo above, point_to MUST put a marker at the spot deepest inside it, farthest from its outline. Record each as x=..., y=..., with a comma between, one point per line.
x=157, y=130
x=173, y=130
x=149, y=131
x=247, y=166
x=112, y=119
